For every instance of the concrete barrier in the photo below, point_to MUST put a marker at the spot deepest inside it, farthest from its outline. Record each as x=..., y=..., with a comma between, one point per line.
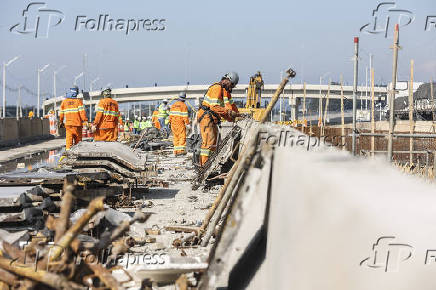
x=13, y=131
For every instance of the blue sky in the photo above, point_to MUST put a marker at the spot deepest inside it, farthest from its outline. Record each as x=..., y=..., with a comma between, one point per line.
x=204, y=39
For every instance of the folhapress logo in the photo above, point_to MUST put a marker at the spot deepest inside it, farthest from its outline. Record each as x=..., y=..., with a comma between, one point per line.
x=37, y=20
x=387, y=255
x=384, y=15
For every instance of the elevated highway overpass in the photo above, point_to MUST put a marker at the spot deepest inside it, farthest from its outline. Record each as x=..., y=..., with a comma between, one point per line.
x=293, y=92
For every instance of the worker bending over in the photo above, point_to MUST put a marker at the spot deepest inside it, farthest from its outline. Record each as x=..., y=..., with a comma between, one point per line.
x=106, y=118
x=217, y=104
x=155, y=119
x=75, y=117
x=178, y=120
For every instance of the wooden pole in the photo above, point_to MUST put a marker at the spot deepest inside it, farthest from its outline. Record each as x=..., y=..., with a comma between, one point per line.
x=372, y=113
x=342, y=115
x=320, y=110
x=411, y=123
x=327, y=104
x=392, y=94
x=304, y=104
x=432, y=99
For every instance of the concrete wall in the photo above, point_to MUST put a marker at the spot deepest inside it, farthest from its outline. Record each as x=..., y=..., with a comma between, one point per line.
x=13, y=131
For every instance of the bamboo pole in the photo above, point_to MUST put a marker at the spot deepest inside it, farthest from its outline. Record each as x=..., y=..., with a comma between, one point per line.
x=372, y=113
x=411, y=122
x=342, y=115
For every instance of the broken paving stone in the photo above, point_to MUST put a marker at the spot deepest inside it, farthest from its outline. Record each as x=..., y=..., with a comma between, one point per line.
x=14, y=237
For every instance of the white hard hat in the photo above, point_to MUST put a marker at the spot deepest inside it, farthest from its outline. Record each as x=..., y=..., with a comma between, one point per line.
x=233, y=77
x=165, y=100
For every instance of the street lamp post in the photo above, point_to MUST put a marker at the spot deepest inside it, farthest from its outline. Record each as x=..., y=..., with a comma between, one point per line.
x=54, y=85
x=5, y=64
x=77, y=77
x=39, y=88
x=90, y=97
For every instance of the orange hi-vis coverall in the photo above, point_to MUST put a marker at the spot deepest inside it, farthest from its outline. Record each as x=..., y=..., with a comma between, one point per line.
x=73, y=111
x=218, y=103
x=155, y=119
x=106, y=120
x=179, y=119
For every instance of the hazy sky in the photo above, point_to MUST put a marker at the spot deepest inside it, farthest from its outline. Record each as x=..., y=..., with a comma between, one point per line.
x=204, y=39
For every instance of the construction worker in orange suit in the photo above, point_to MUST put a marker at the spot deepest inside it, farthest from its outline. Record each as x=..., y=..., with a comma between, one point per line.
x=155, y=119
x=217, y=105
x=73, y=111
x=178, y=120
x=106, y=118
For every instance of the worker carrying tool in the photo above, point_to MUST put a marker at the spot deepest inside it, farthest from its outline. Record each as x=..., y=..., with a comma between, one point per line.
x=217, y=105
x=162, y=115
x=178, y=120
x=106, y=118
x=73, y=111
x=155, y=119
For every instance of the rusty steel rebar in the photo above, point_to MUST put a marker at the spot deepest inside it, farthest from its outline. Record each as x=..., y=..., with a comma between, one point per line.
x=64, y=242
x=42, y=276
x=106, y=240
x=105, y=276
x=62, y=223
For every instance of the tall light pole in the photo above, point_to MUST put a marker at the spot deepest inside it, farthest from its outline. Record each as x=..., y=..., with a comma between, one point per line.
x=39, y=88
x=5, y=64
x=90, y=97
x=77, y=77
x=54, y=85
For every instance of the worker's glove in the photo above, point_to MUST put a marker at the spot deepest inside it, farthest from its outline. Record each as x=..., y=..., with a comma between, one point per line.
x=93, y=128
x=61, y=125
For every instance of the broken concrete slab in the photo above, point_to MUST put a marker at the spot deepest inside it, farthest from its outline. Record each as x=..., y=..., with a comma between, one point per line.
x=119, y=153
